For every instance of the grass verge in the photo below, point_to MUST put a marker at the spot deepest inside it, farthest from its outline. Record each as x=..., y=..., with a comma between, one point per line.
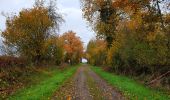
x=130, y=88
x=44, y=89
x=94, y=90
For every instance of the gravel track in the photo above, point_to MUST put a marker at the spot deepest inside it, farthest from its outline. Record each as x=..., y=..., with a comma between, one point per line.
x=86, y=85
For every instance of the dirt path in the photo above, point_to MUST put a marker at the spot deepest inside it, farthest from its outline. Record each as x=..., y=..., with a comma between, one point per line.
x=86, y=85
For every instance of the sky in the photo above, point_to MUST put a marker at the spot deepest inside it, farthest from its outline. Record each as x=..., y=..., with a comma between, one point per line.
x=70, y=9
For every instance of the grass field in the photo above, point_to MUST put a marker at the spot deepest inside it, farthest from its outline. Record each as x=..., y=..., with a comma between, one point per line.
x=130, y=88
x=44, y=89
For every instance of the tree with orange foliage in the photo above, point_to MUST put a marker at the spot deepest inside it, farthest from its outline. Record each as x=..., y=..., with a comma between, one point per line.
x=28, y=31
x=73, y=47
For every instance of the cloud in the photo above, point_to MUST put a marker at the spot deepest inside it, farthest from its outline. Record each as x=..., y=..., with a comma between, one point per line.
x=12, y=6
x=74, y=21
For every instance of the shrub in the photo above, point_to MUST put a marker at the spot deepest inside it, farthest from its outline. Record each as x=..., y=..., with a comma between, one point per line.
x=9, y=61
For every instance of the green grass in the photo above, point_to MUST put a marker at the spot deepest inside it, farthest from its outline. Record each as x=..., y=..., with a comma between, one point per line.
x=45, y=89
x=130, y=88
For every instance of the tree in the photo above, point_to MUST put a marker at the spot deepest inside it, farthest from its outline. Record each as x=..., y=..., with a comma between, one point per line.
x=28, y=31
x=96, y=52
x=73, y=47
x=54, y=50
x=102, y=16
x=136, y=32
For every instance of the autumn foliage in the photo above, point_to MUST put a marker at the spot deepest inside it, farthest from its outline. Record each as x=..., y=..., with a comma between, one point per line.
x=33, y=48
x=28, y=31
x=136, y=32
x=9, y=61
x=96, y=52
x=73, y=47
x=32, y=34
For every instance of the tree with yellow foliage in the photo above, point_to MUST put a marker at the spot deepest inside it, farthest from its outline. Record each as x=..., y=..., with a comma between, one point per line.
x=53, y=51
x=96, y=52
x=136, y=32
x=28, y=31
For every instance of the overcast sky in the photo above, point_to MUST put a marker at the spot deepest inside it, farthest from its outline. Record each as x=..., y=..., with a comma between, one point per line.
x=70, y=10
